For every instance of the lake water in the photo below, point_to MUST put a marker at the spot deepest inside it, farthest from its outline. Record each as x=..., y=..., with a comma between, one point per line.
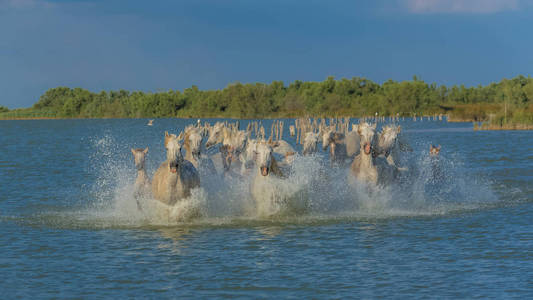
x=69, y=225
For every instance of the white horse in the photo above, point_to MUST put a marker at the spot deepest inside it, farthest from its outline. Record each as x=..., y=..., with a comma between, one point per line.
x=363, y=168
x=352, y=142
x=310, y=143
x=284, y=149
x=193, y=145
x=142, y=183
x=176, y=177
x=233, y=145
x=337, y=148
x=270, y=191
x=215, y=135
x=389, y=145
x=247, y=157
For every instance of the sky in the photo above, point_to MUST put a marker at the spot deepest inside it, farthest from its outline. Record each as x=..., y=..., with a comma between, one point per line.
x=165, y=44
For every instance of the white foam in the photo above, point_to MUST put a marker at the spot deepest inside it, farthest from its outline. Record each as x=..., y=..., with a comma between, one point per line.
x=313, y=190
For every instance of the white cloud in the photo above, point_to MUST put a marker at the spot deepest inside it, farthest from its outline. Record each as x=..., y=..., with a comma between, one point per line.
x=461, y=6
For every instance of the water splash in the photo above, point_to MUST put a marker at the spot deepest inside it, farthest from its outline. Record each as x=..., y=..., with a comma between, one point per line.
x=313, y=190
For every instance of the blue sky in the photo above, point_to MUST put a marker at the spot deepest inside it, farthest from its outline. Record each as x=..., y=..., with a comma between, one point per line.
x=162, y=45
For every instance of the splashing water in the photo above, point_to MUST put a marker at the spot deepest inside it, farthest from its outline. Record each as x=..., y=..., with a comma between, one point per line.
x=312, y=190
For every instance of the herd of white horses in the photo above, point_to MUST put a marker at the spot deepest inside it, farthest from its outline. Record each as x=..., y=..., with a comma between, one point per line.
x=372, y=158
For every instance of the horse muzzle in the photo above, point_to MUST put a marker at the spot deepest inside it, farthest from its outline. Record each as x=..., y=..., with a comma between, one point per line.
x=173, y=167
x=265, y=171
x=367, y=148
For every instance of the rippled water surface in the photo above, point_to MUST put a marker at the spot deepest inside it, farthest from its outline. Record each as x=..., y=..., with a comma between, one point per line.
x=69, y=226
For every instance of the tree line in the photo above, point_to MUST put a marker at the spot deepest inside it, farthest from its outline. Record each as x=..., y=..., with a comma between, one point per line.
x=344, y=97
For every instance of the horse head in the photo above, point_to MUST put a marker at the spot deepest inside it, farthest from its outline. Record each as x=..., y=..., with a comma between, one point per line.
x=173, y=146
x=193, y=140
x=310, y=143
x=248, y=155
x=215, y=135
x=387, y=138
x=263, y=156
x=434, y=150
x=366, y=133
x=327, y=137
x=139, y=156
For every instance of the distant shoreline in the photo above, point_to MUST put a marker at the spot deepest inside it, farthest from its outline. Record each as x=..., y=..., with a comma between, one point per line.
x=32, y=118
x=504, y=105
x=489, y=127
x=482, y=127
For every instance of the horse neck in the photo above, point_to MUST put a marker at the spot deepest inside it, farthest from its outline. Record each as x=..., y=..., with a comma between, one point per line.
x=141, y=176
x=337, y=149
x=366, y=160
x=187, y=147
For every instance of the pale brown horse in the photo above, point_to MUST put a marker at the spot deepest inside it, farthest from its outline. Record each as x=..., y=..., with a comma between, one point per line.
x=176, y=177
x=363, y=167
x=142, y=183
x=434, y=150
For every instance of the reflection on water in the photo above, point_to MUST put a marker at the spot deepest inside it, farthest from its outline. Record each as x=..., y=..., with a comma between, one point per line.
x=174, y=238
x=269, y=232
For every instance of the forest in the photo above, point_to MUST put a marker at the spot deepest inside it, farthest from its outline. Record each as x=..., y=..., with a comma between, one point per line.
x=506, y=102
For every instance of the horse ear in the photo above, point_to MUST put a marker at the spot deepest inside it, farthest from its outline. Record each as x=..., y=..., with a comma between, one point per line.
x=145, y=150
x=166, y=134
x=399, y=128
x=180, y=137
x=132, y=151
x=430, y=147
x=438, y=147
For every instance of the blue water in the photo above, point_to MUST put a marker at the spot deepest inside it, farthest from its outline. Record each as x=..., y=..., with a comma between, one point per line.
x=67, y=227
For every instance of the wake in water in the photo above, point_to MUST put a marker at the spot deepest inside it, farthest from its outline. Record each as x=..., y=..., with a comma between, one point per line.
x=312, y=190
